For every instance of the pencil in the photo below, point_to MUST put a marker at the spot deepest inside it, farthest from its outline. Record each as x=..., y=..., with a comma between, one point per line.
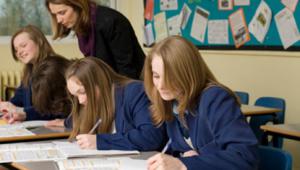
x=95, y=126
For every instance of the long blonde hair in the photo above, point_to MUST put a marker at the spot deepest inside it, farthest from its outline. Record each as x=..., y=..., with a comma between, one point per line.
x=184, y=71
x=99, y=82
x=44, y=47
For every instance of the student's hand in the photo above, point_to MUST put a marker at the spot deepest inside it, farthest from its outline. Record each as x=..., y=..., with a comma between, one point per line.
x=86, y=141
x=190, y=153
x=5, y=106
x=55, y=123
x=12, y=113
x=14, y=117
x=164, y=162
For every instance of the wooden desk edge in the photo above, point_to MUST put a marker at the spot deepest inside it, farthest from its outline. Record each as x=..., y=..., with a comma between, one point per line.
x=263, y=111
x=276, y=129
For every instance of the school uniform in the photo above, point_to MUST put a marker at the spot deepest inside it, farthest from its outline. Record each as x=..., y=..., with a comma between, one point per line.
x=134, y=129
x=217, y=131
x=22, y=98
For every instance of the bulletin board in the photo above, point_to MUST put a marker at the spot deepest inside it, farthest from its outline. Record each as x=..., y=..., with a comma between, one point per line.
x=272, y=40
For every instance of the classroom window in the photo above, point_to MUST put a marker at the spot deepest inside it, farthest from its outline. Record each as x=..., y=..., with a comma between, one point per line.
x=15, y=14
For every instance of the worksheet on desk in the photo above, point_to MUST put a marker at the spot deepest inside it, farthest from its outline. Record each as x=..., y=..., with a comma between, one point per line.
x=22, y=152
x=26, y=124
x=14, y=132
x=69, y=149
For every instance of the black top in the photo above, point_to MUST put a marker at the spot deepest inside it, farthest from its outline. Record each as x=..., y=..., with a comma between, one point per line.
x=116, y=43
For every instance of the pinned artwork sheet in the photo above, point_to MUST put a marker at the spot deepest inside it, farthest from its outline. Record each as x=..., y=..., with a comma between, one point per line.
x=160, y=26
x=287, y=28
x=148, y=35
x=260, y=22
x=217, y=31
x=239, y=28
x=184, y=16
x=241, y=2
x=174, y=26
x=168, y=5
x=199, y=24
x=290, y=4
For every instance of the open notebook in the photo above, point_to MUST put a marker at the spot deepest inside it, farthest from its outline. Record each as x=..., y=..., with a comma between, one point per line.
x=24, y=152
x=118, y=163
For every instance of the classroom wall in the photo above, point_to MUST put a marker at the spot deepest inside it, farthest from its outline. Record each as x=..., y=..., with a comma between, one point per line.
x=259, y=73
x=69, y=50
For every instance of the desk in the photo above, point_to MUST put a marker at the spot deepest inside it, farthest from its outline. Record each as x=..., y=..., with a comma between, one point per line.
x=251, y=110
x=51, y=165
x=42, y=133
x=291, y=131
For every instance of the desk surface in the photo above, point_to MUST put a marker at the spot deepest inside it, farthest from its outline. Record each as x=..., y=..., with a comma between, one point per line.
x=251, y=110
x=41, y=133
x=287, y=130
x=51, y=165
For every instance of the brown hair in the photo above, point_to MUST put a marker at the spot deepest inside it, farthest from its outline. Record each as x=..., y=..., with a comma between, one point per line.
x=99, y=82
x=82, y=7
x=49, y=93
x=44, y=47
x=184, y=71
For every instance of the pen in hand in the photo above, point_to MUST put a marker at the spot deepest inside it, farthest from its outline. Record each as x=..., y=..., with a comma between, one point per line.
x=95, y=126
x=166, y=146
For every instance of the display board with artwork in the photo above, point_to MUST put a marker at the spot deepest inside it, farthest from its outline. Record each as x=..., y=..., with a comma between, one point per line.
x=225, y=24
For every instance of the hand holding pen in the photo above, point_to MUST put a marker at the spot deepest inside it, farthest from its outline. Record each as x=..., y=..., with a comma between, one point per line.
x=88, y=141
x=164, y=161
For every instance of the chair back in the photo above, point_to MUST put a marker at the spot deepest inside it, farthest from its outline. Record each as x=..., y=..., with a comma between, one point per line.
x=243, y=96
x=257, y=121
x=274, y=159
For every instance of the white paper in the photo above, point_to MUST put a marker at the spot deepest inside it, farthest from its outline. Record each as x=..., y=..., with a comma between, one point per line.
x=184, y=16
x=14, y=132
x=199, y=24
x=118, y=163
x=290, y=4
x=23, y=152
x=218, y=32
x=241, y=2
x=160, y=26
x=168, y=5
x=88, y=163
x=26, y=124
x=174, y=26
x=287, y=27
x=73, y=150
x=148, y=35
x=260, y=23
